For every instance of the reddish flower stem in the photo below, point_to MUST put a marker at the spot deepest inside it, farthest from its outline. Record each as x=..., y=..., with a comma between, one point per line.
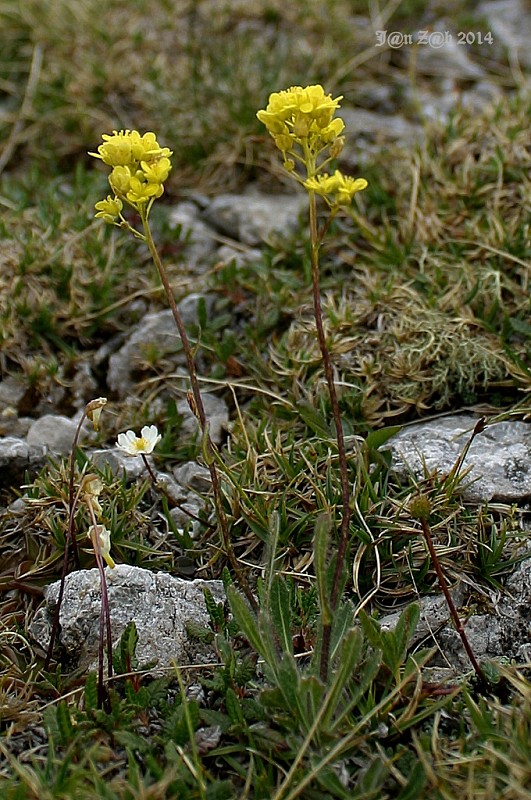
x=343, y=466
x=202, y=418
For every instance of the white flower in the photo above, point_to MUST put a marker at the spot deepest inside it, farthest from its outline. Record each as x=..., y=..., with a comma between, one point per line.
x=101, y=540
x=139, y=445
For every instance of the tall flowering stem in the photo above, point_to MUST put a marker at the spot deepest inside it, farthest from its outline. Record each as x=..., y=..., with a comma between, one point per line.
x=199, y=410
x=329, y=375
x=302, y=124
x=139, y=167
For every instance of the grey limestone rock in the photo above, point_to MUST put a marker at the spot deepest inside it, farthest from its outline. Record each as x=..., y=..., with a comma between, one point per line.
x=378, y=128
x=449, y=59
x=119, y=462
x=216, y=412
x=156, y=331
x=193, y=476
x=11, y=393
x=53, y=432
x=198, y=237
x=499, y=458
x=509, y=21
x=505, y=632
x=16, y=456
x=160, y=605
x=254, y=217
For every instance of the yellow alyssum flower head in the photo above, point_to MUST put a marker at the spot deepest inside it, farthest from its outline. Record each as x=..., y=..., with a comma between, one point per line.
x=157, y=171
x=127, y=148
x=141, y=191
x=302, y=114
x=109, y=208
x=115, y=150
x=337, y=189
x=120, y=180
x=139, y=168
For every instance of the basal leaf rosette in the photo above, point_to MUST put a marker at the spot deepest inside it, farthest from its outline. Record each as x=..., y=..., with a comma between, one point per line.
x=139, y=167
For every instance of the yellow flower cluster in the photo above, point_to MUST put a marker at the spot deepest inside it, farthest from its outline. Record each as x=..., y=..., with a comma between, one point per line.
x=337, y=189
x=139, y=168
x=302, y=116
x=302, y=124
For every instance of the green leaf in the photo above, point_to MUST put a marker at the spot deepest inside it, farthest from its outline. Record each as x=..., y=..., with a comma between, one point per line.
x=351, y=653
x=415, y=784
x=233, y=706
x=127, y=648
x=289, y=682
x=64, y=724
x=376, y=439
x=315, y=421
x=281, y=612
x=202, y=317
x=312, y=693
x=215, y=610
x=255, y=631
x=371, y=629
x=271, y=551
x=91, y=692
x=405, y=628
x=342, y=622
x=220, y=790
x=365, y=676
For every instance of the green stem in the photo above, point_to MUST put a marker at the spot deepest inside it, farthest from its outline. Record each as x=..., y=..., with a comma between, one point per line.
x=200, y=409
x=343, y=466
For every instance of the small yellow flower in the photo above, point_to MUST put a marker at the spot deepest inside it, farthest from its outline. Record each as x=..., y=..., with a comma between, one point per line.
x=157, y=171
x=139, y=445
x=146, y=147
x=338, y=189
x=101, y=541
x=108, y=209
x=139, y=168
x=115, y=150
x=306, y=112
x=120, y=180
x=141, y=192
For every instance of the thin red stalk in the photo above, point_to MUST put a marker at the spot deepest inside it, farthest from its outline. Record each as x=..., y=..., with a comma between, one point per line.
x=451, y=606
x=343, y=466
x=214, y=477
x=329, y=375
x=149, y=468
x=105, y=614
x=70, y=539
